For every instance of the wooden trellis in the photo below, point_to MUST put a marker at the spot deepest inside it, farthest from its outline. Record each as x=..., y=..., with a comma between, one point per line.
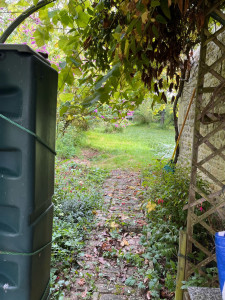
x=208, y=146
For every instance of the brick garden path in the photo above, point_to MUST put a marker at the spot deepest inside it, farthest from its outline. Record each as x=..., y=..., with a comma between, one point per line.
x=118, y=228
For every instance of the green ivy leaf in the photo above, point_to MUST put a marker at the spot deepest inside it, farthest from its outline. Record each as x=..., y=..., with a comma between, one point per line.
x=62, y=65
x=23, y=3
x=138, y=27
x=131, y=26
x=63, y=110
x=155, y=31
x=113, y=72
x=35, y=2
x=161, y=19
x=130, y=281
x=66, y=97
x=41, y=37
x=72, y=7
x=77, y=72
x=165, y=8
x=65, y=76
x=62, y=43
x=82, y=19
x=43, y=14
x=155, y=3
x=75, y=62
x=65, y=18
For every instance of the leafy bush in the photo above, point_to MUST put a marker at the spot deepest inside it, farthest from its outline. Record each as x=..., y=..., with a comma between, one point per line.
x=112, y=128
x=165, y=195
x=168, y=192
x=68, y=143
x=161, y=247
x=145, y=114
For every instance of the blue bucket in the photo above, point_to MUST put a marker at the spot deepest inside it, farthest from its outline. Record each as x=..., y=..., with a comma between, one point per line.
x=220, y=257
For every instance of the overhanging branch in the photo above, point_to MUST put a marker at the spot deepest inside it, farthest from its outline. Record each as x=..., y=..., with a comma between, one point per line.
x=22, y=17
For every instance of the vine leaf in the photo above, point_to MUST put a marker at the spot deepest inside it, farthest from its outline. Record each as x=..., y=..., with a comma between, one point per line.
x=144, y=17
x=161, y=19
x=2, y=3
x=113, y=72
x=165, y=8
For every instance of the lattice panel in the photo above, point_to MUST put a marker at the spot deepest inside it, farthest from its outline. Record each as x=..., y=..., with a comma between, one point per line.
x=206, y=207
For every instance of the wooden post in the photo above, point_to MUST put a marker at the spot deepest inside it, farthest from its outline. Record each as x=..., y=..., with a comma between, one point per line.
x=181, y=264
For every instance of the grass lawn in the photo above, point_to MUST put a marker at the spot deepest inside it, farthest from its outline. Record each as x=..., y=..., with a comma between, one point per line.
x=135, y=147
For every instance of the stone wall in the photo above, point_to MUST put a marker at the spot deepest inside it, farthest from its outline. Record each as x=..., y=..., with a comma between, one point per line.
x=216, y=166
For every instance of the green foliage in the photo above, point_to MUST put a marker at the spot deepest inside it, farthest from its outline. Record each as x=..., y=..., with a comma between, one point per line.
x=144, y=113
x=68, y=142
x=161, y=246
x=130, y=281
x=164, y=198
x=110, y=128
x=75, y=203
x=202, y=281
x=147, y=114
x=169, y=191
x=134, y=147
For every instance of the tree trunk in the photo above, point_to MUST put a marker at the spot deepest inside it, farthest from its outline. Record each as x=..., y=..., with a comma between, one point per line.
x=162, y=120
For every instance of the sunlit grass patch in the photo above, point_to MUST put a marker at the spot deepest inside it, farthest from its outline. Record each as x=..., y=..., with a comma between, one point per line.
x=135, y=147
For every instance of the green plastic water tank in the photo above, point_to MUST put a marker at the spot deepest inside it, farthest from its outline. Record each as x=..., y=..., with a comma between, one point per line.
x=28, y=95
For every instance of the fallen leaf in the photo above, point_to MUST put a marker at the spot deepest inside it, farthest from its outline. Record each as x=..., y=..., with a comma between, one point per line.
x=88, y=255
x=114, y=225
x=81, y=282
x=123, y=217
x=141, y=222
x=101, y=260
x=106, y=247
x=84, y=294
x=131, y=187
x=148, y=295
x=144, y=17
x=124, y=243
x=112, y=208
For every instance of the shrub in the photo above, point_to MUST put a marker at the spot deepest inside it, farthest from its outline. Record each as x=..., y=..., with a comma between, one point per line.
x=68, y=143
x=112, y=128
x=144, y=113
x=165, y=195
x=168, y=193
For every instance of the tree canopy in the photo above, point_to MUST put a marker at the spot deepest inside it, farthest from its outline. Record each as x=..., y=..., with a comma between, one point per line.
x=117, y=51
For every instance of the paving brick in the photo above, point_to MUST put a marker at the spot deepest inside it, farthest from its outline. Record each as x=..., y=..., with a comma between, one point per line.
x=109, y=277
x=105, y=288
x=112, y=297
x=95, y=296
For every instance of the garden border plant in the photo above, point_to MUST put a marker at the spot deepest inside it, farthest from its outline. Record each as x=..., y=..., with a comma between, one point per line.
x=75, y=203
x=164, y=197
